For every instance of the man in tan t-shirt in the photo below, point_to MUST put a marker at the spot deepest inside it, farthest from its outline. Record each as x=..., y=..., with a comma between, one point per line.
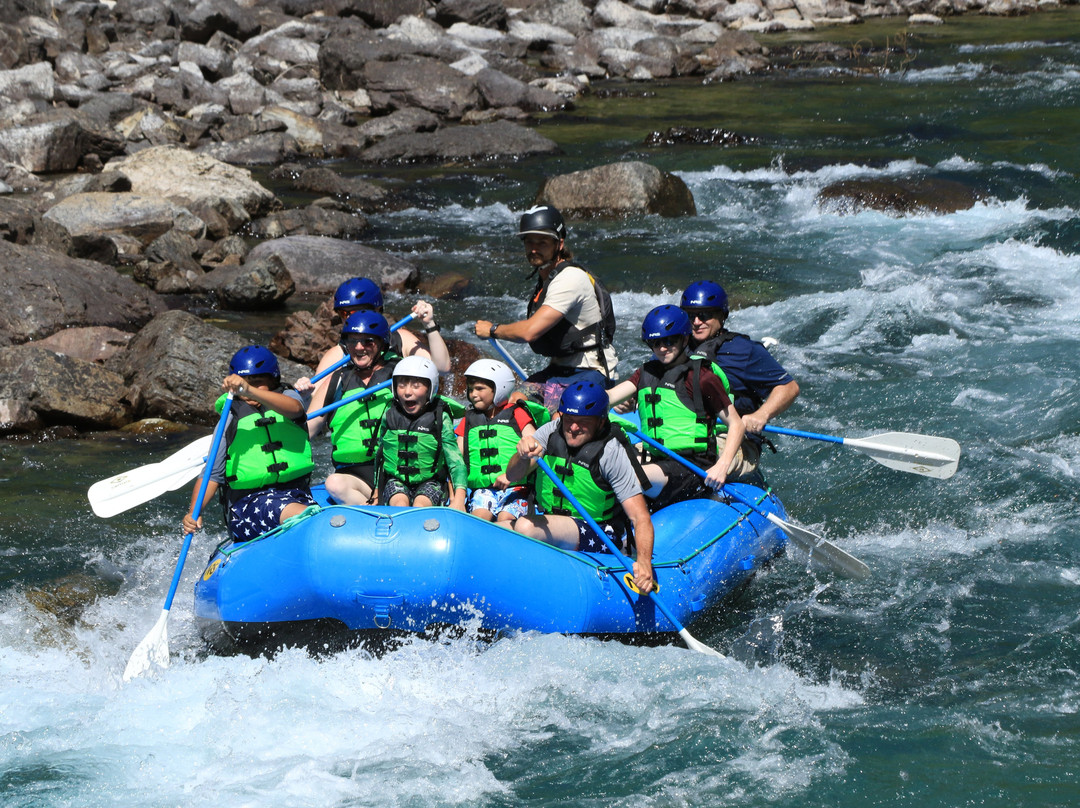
x=565, y=320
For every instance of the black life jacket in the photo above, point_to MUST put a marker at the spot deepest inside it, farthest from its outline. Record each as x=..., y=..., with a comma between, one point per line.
x=565, y=339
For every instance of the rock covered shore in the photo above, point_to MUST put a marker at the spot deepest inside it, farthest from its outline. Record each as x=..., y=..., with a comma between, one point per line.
x=126, y=128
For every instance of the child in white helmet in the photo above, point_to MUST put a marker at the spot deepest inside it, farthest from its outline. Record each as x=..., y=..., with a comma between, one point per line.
x=488, y=436
x=418, y=455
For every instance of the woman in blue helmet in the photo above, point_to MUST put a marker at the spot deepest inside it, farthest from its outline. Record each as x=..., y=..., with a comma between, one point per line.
x=679, y=398
x=761, y=388
x=363, y=294
x=596, y=463
x=263, y=465
x=354, y=427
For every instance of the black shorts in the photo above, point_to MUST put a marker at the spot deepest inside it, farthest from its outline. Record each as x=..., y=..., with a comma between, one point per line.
x=363, y=471
x=682, y=484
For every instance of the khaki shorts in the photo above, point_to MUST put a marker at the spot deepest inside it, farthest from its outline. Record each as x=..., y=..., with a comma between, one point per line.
x=746, y=459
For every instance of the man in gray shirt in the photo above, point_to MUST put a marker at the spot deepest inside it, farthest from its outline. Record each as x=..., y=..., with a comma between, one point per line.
x=594, y=461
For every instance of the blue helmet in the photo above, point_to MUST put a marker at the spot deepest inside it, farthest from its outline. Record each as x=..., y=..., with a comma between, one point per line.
x=358, y=292
x=369, y=323
x=665, y=321
x=584, y=398
x=705, y=295
x=254, y=360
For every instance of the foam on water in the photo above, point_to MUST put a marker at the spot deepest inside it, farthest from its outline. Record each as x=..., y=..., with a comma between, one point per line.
x=947, y=678
x=952, y=74
x=428, y=723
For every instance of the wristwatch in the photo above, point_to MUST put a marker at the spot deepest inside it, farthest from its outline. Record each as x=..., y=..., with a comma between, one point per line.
x=494, y=328
x=433, y=327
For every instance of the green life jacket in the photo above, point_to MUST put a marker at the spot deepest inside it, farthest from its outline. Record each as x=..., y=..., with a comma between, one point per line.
x=579, y=471
x=671, y=416
x=410, y=449
x=355, y=426
x=490, y=443
x=263, y=447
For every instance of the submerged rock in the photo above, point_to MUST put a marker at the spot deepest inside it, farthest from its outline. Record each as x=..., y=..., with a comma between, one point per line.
x=898, y=197
x=697, y=135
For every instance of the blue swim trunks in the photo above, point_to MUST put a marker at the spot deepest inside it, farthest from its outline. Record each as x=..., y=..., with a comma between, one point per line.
x=514, y=501
x=260, y=511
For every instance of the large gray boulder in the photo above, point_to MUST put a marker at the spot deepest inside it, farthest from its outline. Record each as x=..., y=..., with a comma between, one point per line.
x=94, y=343
x=345, y=53
x=263, y=283
x=40, y=388
x=499, y=139
x=382, y=13
x=57, y=145
x=197, y=182
x=177, y=362
x=618, y=189
x=209, y=17
x=318, y=264
x=45, y=292
x=483, y=13
x=500, y=90
x=80, y=223
x=419, y=82
x=325, y=217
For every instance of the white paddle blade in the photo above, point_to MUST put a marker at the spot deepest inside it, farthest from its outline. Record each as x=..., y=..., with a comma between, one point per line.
x=697, y=645
x=927, y=455
x=153, y=650
x=130, y=488
x=822, y=551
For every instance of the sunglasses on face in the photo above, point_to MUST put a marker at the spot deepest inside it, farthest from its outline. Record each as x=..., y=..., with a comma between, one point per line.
x=702, y=314
x=363, y=342
x=665, y=342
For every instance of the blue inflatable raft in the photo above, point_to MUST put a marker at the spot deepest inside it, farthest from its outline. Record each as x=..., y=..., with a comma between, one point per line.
x=337, y=571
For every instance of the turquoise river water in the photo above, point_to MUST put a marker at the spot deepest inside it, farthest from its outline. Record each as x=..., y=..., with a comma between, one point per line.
x=949, y=678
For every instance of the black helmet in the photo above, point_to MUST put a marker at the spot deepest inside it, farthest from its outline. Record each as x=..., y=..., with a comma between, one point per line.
x=543, y=220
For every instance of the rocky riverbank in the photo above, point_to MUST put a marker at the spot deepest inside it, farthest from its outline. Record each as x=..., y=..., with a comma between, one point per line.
x=126, y=128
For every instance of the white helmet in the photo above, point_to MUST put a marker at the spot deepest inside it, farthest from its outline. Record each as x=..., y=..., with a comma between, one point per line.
x=422, y=368
x=500, y=376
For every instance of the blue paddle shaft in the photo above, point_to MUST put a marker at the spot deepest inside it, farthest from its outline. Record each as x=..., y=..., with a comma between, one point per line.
x=798, y=433
x=345, y=359
x=599, y=531
x=219, y=430
x=498, y=346
x=700, y=472
x=350, y=399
